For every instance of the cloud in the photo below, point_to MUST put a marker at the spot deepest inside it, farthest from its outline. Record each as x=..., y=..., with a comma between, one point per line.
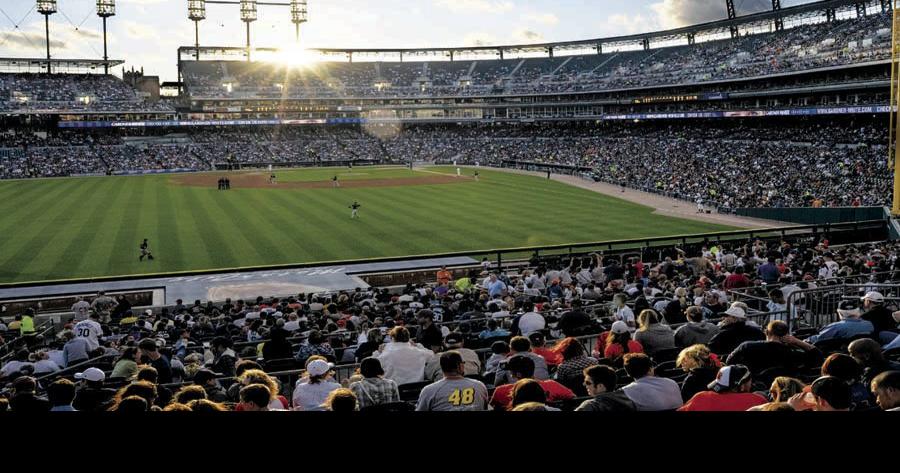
x=622, y=24
x=88, y=34
x=676, y=13
x=528, y=36
x=138, y=31
x=548, y=19
x=479, y=39
x=482, y=6
x=33, y=41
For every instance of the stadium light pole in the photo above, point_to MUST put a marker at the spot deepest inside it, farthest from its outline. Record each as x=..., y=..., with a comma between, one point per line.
x=105, y=9
x=197, y=13
x=894, y=135
x=248, y=15
x=299, y=15
x=47, y=8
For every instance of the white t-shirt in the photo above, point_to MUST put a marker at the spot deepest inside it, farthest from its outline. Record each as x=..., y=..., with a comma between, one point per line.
x=625, y=314
x=90, y=330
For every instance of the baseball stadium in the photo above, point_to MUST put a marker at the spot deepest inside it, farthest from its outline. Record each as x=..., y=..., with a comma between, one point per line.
x=697, y=214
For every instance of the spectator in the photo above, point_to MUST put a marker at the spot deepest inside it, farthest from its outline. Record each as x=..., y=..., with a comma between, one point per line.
x=886, y=387
x=882, y=319
x=311, y=394
x=731, y=391
x=522, y=346
x=206, y=379
x=552, y=357
x=600, y=382
x=575, y=360
x=522, y=367
x=870, y=356
x=91, y=396
x=650, y=393
x=150, y=350
x=782, y=389
x=529, y=392
x=845, y=368
x=61, y=393
x=222, y=359
x=826, y=394
x=454, y=392
x=454, y=341
x=428, y=335
x=341, y=400
x=780, y=349
x=618, y=343
x=701, y=366
x=696, y=331
x=493, y=330
x=734, y=331
x=278, y=347
x=277, y=402
x=652, y=335
x=374, y=389
x=126, y=367
x=849, y=326
x=402, y=361
x=76, y=350
x=255, y=398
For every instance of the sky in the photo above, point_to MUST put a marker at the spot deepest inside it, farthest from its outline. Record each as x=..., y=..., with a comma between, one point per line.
x=147, y=33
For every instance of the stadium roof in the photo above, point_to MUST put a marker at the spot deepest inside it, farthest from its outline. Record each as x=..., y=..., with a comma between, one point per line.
x=23, y=64
x=717, y=29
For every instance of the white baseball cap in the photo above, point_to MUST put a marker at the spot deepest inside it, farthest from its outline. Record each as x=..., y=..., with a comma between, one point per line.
x=91, y=374
x=737, y=312
x=148, y=312
x=874, y=297
x=619, y=327
x=319, y=367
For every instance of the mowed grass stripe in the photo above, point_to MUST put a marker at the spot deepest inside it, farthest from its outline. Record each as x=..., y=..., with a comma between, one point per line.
x=30, y=205
x=123, y=256
x=382, y=216
x=215, y=242
x=79, y=235
x=258, y=224
x=169, y=228
x=31, y=240
x=328, y=209
x=303, y=237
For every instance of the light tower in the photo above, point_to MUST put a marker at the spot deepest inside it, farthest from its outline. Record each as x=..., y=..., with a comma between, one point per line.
x=105, y=9
x=47, y=8
x=299, y=15
x=248, y=15
x=197, y=13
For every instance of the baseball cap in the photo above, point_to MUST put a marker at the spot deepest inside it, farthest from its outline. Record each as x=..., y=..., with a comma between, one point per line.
x=619, y=327
x=148, y=312
x=91, y=374
x=729, y=378
x=735, y=311
x=453, y=338
x=319, y=367
x=874, y=297
x=848, y=309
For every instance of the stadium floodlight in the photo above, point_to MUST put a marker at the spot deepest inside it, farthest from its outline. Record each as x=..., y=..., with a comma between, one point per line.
x=105, y=9
x=299, y=15
x=47, y=8
x=248, y=15
x=197, y=13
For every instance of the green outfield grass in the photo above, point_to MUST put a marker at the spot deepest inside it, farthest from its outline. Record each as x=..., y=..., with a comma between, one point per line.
x=88, y=227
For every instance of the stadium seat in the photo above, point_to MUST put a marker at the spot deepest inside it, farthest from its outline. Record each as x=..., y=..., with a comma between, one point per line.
x=390, y=407
x=410, y=391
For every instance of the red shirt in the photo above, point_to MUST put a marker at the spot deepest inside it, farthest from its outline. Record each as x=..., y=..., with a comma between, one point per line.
x=736, y=281
x=615, y=350
x=712, y=401
x=639, y=270
x=551, y=357
x=555, y=392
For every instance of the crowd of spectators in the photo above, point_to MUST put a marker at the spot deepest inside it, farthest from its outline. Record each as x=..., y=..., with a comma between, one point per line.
x=589, y=333
x=70, y=93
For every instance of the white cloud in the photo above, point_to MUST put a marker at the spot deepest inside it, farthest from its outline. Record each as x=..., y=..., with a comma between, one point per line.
x=621, y=24
x=543, y=18
x=528, y=36
x=484, y=6
x=139, y=31
x=479, y=39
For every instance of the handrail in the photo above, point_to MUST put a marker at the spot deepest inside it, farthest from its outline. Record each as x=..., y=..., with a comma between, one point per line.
x=500, y=252
x=74, y=368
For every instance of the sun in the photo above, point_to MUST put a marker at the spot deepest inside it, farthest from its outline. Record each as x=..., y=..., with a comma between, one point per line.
x=295, y=56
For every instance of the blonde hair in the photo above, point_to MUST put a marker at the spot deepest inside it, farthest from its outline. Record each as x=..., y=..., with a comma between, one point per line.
x=530, y=407
x=259, y=377
x=783, y=387
x=340, y=396
x=694, y=356
x=646, y=318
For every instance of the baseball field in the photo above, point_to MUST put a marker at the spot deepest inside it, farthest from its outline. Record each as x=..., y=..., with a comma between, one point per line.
x=88, y=227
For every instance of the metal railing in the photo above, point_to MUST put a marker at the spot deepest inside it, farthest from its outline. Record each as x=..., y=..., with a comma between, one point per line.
x=817, y=307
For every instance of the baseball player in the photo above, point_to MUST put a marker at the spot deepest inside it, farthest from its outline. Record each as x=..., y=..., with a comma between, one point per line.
x=145, y=251
x=334, y=181
x=354, y=210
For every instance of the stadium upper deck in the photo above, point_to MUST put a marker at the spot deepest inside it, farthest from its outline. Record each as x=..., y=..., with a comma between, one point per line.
x=833, y=34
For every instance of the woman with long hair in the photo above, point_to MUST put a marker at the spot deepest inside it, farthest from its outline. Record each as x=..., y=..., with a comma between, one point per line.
x=701, y=365
x=619, y=343
x=653, y=335
x=126, y=366
x=258, y=376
